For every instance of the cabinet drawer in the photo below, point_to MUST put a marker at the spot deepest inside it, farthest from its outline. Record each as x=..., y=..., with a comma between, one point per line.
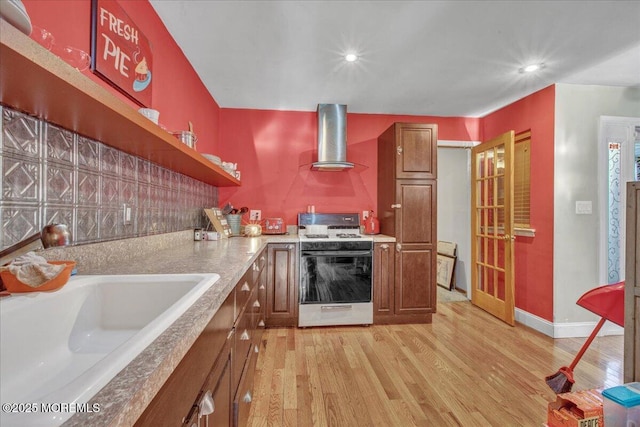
x=244, y=395
x=243, y=291
x=258, y=266
x=262, y=299
x=243, y=338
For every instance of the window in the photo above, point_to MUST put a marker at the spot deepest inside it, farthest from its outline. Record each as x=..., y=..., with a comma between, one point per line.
x=521, y=180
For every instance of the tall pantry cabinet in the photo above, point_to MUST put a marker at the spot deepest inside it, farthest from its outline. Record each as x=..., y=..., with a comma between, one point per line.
x=632, y=286
x=407, y=189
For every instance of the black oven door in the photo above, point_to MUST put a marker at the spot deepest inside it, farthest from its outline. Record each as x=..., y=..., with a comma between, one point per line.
x=329, y=276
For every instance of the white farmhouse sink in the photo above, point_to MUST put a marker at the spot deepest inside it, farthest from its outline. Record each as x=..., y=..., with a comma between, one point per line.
x=64, y=346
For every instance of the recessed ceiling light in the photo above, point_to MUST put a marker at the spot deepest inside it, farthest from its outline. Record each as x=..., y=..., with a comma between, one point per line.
x=531, y=68
x=351, y=57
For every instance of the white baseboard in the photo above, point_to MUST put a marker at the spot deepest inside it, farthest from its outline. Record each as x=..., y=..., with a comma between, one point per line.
x=584, y=329
x=531, y=320
x=565, y=330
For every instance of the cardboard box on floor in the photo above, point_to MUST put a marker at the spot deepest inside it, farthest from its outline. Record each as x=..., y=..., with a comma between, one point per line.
x=576, y=409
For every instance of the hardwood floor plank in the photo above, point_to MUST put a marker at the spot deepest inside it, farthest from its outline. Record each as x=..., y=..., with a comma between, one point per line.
x=290, y=385
x=318, y=415
x=466, y=368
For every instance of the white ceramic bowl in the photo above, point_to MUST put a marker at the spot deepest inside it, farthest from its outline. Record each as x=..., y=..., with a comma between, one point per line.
x=212, y=158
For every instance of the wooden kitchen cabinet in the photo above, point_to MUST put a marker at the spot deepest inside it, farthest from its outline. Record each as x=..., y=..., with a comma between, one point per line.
x=247, y=337
x=383, y=282
x=282, y=284
x=407, y=206
x=416, y=151
x=632, y=286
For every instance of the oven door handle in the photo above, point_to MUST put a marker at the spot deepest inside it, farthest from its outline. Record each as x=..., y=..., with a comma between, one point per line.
x=336, y=253
x=342, y=307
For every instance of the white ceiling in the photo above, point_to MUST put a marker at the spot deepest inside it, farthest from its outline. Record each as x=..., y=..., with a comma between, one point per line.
x=443, y=58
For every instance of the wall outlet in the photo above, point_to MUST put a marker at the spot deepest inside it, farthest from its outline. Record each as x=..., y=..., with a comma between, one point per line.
x=365, y=215
x=255, y=215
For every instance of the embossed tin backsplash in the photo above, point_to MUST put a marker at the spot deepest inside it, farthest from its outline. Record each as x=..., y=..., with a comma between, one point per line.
x=52, y=175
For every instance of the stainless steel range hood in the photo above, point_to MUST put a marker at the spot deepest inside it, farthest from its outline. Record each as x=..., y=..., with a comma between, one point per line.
x=332, y=138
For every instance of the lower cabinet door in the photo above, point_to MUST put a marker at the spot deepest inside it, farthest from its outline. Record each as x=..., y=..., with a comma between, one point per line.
x=282, y=285
x=383, y=281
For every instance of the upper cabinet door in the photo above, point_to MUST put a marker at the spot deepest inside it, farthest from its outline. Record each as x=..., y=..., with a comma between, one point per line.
x=416, y=151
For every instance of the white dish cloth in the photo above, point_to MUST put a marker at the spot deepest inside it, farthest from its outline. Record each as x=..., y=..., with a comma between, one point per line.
x=33, y=270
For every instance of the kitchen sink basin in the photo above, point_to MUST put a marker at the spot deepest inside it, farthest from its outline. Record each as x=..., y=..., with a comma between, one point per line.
x=62, y=347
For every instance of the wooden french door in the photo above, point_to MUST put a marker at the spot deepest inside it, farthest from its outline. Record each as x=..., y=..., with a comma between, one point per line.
x=492, y=239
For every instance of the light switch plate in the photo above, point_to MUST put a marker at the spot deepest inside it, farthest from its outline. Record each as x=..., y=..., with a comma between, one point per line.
x=126, y=214
x=255, y=215
x=583, y=207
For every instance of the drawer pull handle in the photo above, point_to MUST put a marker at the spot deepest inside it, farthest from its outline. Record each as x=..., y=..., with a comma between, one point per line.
x=384, y=246
x=336, y=307
x=396, y=206
x=261, y=286
x=247, y=397
x=207, y=406
x=244, y=336
x=256, y=304
x=245, y=287
x=261, y=323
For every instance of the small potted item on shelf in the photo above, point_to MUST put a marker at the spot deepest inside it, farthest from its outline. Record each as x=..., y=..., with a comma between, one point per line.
x=186, y=137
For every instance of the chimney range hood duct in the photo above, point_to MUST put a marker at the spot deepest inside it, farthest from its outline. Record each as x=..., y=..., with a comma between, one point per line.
x=332, y=138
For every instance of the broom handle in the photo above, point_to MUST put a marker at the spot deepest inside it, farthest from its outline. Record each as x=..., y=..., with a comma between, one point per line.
x=587, y=343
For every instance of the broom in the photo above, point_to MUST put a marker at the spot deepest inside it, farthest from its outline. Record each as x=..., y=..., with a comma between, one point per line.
x=562, y=381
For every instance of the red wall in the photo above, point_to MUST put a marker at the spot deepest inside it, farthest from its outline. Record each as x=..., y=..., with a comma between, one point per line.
x=178, y=92
x=534, y=255
x=274, y=151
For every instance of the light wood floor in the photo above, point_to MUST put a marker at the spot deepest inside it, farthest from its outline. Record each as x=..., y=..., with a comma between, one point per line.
x=466, y=368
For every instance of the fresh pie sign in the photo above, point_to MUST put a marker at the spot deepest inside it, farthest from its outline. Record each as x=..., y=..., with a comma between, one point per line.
x=120, y=53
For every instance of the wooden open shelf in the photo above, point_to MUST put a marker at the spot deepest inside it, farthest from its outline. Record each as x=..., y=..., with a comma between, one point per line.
x=35, y=81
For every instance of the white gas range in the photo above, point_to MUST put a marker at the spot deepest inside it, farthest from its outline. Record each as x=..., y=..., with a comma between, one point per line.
x=336, y=281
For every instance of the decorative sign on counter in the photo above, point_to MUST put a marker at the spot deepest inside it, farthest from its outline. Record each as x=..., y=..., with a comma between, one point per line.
x=120, y=53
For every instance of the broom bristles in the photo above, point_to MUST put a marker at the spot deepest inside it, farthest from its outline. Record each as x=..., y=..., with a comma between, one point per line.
x=561, y=381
